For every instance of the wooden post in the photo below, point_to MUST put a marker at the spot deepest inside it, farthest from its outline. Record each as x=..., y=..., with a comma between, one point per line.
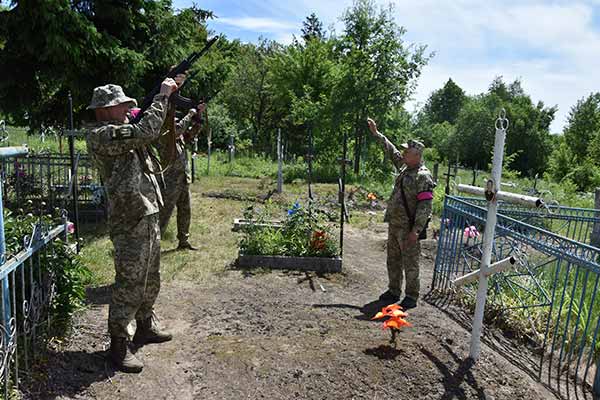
x=231, y=148
x=595, y=236
x=209, y=143
x=279, y=163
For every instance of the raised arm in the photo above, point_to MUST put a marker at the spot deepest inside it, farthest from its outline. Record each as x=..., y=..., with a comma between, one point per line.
x=393, y=153
x=119, y=139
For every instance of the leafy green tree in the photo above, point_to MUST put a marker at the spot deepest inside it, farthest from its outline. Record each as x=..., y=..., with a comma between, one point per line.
x=583, y=123
x=248, y=95
x=561, y=160
x=528, y=136
x=379, y=70
x=444, y=104
x=303, y=80
x=84, y=44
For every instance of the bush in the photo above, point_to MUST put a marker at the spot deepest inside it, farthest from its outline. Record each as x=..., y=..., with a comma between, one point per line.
x=305, y=232
x=70, y=274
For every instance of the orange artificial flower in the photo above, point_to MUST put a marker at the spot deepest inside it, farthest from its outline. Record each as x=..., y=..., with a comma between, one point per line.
x=396, y=323
x=393, y=310
x=371, y=196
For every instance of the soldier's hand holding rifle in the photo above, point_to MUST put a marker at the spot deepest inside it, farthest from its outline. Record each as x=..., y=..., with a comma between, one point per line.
x=168, y=86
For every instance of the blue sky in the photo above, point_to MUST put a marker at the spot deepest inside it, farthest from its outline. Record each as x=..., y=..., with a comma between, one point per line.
x=553, y=46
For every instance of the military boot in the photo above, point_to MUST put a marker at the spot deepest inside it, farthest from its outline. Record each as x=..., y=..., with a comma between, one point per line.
x=185, y=245
x=122, y=357
x=149, y=331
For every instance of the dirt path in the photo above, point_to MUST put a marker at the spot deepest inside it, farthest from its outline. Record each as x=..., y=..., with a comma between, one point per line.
x=263, y=335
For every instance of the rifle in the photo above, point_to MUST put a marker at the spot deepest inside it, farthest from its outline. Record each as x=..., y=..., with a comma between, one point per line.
x=181, y=68
x=175, y=100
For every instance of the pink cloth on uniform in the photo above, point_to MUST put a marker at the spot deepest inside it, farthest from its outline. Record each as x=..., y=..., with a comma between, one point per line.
x=424, y=196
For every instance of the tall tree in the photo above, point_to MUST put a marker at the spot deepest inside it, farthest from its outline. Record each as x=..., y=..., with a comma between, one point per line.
x=379, y=69
x=583, y=123
x=444, y=104
x=86, y=43
x=528, y=136
x=248, y=93
x=303, y=80
x=312, y=28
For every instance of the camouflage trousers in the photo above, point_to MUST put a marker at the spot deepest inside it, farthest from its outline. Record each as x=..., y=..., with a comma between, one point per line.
x=402, y=263
x=177, y=194
x=137, y=278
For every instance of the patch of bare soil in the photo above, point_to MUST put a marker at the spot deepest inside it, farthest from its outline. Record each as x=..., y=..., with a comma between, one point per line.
x=275, y=335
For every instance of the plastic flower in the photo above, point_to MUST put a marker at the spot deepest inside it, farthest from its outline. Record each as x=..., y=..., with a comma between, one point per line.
x=393, y=310
x=371, y=196
x=396, y=320
x=471, y=232
x=70, y=228
x=294, y=209
x=396, y=323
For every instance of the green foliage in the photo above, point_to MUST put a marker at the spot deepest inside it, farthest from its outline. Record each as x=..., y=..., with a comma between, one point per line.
x=312, y=28
x=583, y=124
x=87, y=43
x=444, y=104
x=304, y=232
x=576, y=154
x=70, y=274
x=247, y=92
x=378, y=71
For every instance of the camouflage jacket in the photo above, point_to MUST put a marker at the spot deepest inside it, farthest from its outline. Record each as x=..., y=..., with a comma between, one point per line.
x=418, y=189
x=180, y=163
x=120, y=153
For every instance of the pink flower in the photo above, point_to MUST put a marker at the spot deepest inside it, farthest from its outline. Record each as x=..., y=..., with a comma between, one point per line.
x=70, y=228
x=471, y=232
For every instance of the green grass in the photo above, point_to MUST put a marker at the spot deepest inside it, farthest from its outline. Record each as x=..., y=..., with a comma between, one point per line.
x=18, y=136
x=212, y=220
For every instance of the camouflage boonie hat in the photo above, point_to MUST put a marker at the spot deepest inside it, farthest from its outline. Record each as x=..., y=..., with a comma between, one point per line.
x=108, y=96
x=413, y=144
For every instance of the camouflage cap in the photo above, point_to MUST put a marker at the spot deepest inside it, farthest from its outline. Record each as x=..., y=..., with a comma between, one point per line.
x=108, y=96
x=413, y=144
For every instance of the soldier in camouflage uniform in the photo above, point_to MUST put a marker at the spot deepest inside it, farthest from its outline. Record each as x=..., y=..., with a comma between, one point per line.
x=406, y=220
x=177, y=179
x=119, y=151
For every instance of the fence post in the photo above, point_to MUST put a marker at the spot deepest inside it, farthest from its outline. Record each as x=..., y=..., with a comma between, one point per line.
x=279, y=162
x=231, y=148
x=596, y=389
x=73, y=173
x=209, y=143
x=6, y=152
x=595, y=236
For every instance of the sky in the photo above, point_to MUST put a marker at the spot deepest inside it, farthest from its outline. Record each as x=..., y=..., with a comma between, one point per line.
x=552, y=46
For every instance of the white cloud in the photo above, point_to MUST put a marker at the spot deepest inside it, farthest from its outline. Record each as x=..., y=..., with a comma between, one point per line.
x=257, y=24
x=551, y=47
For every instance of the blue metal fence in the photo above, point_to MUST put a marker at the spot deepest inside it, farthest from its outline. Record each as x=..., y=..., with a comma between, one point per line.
x=26, y=291
x=554, y=286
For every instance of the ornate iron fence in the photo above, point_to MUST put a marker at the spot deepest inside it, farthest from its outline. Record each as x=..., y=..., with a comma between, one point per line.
x=46, y=181
x=554, y=286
